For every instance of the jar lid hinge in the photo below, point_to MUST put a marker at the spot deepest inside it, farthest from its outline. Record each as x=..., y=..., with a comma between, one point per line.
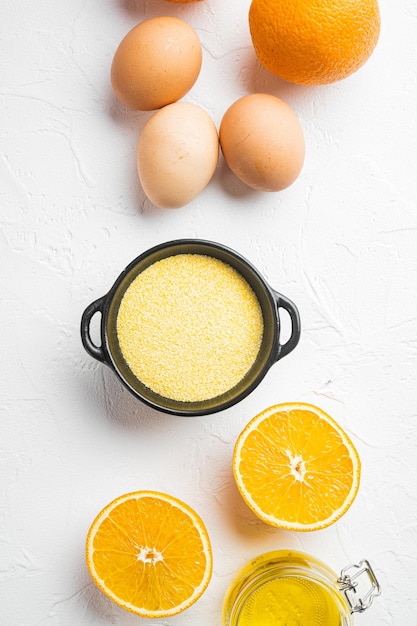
x=350, y=578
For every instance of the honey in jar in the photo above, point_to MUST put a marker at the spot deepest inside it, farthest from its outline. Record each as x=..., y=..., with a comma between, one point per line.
x=288, y=588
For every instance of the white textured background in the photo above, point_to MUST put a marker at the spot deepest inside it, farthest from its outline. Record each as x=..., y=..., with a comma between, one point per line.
x=341, y=242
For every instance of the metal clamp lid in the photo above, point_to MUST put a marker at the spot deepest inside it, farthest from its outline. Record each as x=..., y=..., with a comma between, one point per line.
x=350, y=578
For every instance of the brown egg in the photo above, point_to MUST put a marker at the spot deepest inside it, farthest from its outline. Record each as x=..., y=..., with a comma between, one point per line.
x=156, y=63
x=262, y=142
x=177, y=154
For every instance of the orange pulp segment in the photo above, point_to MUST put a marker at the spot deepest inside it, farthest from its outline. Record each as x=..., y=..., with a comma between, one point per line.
x=296, y=468
x=150, y=553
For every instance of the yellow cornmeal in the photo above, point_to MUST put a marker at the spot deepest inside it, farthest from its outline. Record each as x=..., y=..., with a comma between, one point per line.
x=189, y=327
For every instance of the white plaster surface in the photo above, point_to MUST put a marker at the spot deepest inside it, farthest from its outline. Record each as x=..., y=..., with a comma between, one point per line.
x=341, y=242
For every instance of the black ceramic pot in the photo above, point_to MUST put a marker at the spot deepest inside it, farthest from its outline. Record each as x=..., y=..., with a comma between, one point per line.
x=270, y=352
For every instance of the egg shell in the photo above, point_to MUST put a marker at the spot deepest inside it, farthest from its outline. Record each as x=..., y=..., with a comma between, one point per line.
x=262, y=142
x=156, y=63
x=177, y=154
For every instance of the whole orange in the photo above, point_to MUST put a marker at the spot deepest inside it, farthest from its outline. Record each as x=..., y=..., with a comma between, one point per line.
x=314, y=42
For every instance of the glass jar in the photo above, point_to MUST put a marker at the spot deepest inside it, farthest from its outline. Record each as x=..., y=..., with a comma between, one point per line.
x=287, y=588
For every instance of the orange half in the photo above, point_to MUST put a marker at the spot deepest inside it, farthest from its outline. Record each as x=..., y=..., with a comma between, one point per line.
x=150, y=553
x=296, y=468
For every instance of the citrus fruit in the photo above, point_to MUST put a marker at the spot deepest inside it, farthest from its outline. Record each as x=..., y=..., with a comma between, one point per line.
x=296, y=468
x=150, y=553
x=314, y=42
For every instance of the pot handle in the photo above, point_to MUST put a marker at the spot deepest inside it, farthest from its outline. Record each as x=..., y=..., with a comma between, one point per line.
x=96, y=352
x=285, y=303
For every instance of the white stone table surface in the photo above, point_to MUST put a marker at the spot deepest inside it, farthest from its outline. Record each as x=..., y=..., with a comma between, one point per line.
x=341, y=242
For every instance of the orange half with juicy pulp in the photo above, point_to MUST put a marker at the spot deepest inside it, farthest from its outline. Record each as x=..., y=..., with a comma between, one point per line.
x=296, y=468
x=150, y=553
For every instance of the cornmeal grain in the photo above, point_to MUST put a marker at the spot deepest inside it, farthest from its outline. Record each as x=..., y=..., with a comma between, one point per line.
x=189, y=327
